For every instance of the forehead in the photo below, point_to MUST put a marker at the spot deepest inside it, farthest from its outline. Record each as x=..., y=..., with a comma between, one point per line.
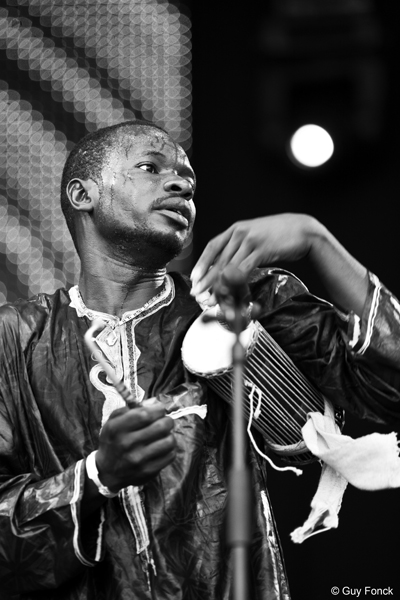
x=148, y=141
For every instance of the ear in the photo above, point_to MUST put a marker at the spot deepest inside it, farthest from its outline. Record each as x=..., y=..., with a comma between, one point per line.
x=82, y=194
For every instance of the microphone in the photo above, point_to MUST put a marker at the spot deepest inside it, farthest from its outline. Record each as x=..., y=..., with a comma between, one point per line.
x=232, y=288
x=234, y=299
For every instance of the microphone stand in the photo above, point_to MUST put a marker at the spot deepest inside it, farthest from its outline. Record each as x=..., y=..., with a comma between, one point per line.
x=239, y=484
x=233, y=296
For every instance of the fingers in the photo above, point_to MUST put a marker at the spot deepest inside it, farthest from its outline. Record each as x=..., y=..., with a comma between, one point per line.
x=235, y=255
x=208, y=257
x=254, y=243
x=158, y=430
x=245, y=260
x=154, y=465
x=136, y=467
x=135, y=428
x=144, y=456
x=124, y=419
x=240, y=251
x=135, y=444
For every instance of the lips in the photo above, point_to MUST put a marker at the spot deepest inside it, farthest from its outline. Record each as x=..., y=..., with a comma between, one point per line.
x=178, y=211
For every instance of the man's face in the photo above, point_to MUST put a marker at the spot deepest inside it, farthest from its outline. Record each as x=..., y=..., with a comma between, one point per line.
x=146, y=197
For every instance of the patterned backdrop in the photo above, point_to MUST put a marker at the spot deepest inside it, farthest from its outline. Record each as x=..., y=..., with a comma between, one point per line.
x=68, y=67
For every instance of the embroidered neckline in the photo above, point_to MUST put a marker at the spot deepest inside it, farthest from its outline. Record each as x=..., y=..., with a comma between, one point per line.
x=164, y=296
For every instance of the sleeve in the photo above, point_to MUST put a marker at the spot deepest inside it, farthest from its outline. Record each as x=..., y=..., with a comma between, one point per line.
x=353, y=361
x=43, y=540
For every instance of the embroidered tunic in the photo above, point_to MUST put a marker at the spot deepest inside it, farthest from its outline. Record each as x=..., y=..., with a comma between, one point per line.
x=166, y=540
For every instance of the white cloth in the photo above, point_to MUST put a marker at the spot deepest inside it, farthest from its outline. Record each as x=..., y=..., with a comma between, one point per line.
x=369, y=463
x=327, y=500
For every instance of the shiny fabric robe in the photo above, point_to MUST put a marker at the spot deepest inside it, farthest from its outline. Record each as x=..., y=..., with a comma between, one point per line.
x=51, y=415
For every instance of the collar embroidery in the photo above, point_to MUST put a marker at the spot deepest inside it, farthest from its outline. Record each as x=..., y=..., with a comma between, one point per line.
x=163, y=298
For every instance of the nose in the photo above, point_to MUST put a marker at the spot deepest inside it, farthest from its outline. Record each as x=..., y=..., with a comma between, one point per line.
x=182, y=187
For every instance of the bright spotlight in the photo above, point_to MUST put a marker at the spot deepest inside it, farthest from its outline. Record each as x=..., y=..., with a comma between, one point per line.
x=311, y=146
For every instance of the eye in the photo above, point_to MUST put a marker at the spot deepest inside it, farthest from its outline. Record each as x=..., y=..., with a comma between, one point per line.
x=149, y=167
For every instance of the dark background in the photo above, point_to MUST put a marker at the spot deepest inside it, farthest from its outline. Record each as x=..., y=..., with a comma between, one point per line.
x=257, y=75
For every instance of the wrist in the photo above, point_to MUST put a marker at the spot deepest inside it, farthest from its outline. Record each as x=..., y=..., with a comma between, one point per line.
x=318, y=237
x=93, y=474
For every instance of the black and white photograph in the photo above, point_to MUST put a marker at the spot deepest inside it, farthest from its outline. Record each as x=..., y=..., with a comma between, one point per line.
x=199, y=300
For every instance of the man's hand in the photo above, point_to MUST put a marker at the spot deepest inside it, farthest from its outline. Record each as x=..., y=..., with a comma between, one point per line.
x=286, y=237
x=135, y=444
x=254, y=243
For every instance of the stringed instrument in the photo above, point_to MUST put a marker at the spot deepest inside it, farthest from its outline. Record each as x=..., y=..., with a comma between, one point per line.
x=277, y=396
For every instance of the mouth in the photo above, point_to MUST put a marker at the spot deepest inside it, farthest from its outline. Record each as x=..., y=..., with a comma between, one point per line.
x=179, y=213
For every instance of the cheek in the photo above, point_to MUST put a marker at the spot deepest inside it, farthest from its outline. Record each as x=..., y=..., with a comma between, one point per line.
x=132, y=207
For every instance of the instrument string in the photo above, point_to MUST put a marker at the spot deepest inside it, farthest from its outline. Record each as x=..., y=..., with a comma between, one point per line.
x=277, y=434
x=285, y=390
x=277, y=355
x=281, y=425
x=281, y=391
x=257, y=449
x=294, y=415
x=297, y=381
x=285, y=396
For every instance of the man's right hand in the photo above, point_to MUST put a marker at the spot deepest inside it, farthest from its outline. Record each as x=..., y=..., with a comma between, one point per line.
x=135, y=444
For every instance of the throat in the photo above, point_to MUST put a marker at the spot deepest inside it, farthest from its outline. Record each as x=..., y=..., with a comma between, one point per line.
x=114, y=298
x=138, y=297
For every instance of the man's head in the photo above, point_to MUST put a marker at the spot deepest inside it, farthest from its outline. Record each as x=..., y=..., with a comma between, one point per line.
x=133, y=185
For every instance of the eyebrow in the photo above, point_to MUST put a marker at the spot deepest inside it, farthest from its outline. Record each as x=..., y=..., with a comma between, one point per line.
x=154, y=153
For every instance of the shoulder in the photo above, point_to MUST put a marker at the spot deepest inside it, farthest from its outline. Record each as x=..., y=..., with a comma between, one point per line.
x=183, y=299
x=274, y=286
x=27, y=317
x=181, y=285
x=181, y=281
x=270, y=285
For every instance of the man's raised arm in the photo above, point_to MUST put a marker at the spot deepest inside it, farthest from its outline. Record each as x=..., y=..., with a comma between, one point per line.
x=266, y=241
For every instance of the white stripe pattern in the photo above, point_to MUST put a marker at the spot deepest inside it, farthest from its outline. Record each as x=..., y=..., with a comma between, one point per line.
x=372, y=313
x=73, y=503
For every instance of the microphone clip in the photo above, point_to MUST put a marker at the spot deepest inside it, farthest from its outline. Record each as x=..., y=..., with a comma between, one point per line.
x=234, y=300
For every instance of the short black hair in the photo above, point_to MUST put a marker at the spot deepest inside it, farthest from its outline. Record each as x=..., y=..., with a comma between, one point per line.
x=87, y=158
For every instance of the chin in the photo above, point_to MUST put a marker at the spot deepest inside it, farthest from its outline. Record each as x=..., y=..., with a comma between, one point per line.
x=152, y=249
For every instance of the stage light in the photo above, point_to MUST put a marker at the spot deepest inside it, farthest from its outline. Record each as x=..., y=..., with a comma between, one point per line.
x=311, y=146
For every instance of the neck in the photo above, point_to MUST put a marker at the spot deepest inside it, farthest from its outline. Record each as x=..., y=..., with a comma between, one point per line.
x=117, y=287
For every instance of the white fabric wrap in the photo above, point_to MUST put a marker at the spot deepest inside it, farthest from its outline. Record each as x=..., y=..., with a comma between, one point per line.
x=369, y=463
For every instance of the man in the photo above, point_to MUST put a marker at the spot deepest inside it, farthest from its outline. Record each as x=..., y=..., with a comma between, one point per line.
x=99, y=501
